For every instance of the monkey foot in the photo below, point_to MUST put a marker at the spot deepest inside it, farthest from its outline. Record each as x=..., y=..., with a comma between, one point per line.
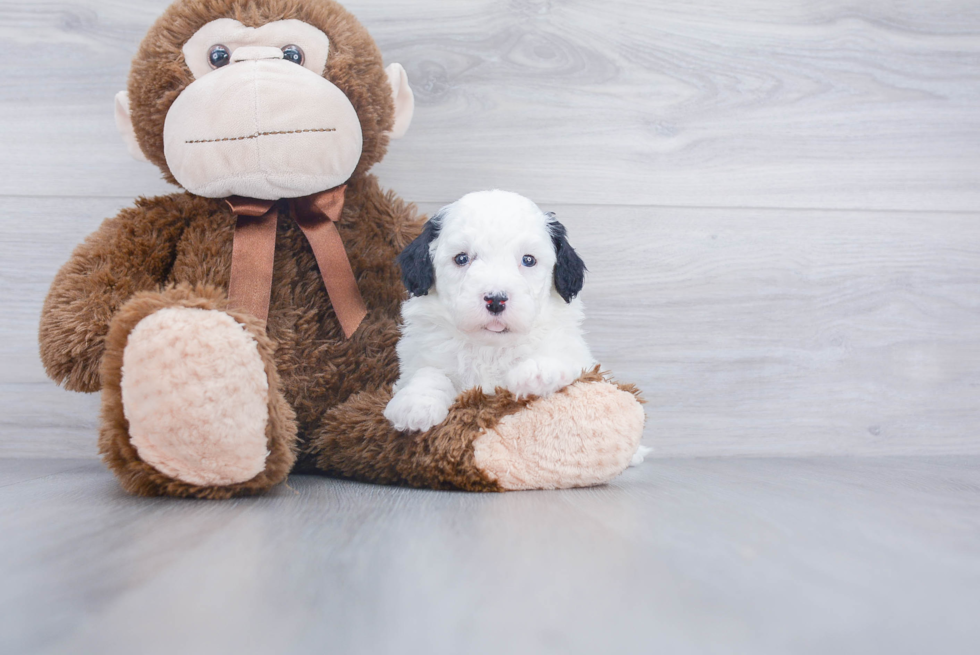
x=584, y=435
x=195, y=394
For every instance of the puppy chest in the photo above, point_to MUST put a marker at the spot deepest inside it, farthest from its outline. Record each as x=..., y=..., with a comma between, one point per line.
x=486, y=367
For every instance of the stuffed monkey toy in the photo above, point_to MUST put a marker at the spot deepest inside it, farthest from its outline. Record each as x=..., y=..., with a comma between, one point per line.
x=245, y=327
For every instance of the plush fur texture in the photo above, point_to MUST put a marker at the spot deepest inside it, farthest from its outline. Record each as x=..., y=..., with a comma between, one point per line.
x=232, y=35
x=601, y=425
x=445, y=457
x=194, y=393
x=287, y=132
x=139, y=477
x=159, y=73
x=487, y=311
x=326, y=394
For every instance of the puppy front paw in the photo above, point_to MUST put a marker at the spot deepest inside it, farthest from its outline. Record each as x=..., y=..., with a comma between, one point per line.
x=410, y=410
x=425, y=402
x=540, y=377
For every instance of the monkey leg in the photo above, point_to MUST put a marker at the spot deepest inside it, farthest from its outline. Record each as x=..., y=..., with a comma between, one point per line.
x=191, y=404
x=583, y=435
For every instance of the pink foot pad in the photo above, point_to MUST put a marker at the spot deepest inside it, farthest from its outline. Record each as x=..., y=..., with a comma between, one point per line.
x=195, y=394
x=582, y=436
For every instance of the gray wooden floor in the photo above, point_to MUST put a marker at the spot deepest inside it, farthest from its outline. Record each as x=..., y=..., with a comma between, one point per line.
x=779, y=204
x=725, y=555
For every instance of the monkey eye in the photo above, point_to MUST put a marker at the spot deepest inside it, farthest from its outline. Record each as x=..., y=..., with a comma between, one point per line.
x=462, y=259
x=529, y=260
x=218, y=56
x=293, y=53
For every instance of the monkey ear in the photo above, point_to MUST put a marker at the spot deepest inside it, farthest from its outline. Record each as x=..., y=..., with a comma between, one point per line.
x=569, y=267
x=124, y=123
x=404, y=99
x=418, y=273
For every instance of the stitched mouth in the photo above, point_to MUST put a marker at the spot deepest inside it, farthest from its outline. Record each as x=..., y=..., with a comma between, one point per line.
x=258, y=134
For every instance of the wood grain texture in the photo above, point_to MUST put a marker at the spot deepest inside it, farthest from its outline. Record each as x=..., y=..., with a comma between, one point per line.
x=37, y=417
x=762, y=331
x=814, y=105
x=750, y=331
x=845, y=324
x=755, y=556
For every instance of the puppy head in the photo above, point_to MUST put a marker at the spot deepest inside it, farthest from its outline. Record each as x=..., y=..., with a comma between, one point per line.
x=494, y=260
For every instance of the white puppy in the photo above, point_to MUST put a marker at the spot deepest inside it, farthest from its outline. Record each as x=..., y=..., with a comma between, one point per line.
x=494, y=285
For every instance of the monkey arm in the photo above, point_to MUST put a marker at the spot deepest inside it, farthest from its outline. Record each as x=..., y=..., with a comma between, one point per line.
x=129, y=253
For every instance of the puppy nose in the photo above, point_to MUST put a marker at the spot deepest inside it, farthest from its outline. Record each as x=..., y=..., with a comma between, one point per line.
x=496, y=303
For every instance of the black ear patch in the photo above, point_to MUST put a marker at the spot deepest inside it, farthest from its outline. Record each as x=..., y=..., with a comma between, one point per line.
x=418, y=274
x=569, y=267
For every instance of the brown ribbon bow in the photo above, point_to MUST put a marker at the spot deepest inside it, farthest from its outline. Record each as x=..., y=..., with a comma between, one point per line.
x=254, y=250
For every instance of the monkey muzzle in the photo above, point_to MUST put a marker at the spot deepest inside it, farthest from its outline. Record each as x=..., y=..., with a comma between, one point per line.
x=261, y=127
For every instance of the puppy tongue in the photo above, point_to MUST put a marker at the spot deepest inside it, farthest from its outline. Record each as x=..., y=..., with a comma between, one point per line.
x=496, y=327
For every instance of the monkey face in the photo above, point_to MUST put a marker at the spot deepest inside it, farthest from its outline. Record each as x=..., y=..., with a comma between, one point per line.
x=256, y=123
x=272, y=109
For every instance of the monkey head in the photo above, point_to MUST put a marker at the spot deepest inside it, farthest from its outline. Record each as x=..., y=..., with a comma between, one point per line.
x=265, y=99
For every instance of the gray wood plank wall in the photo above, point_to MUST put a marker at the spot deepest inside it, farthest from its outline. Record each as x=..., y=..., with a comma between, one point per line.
x=778, y=204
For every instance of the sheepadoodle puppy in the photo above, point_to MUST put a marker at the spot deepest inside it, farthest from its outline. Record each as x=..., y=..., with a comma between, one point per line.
x=493, y=286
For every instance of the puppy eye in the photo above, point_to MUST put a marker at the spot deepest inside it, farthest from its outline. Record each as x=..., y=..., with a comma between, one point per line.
x=529, y=260
x=293, y=53
x=218, y=56
x=462, y=259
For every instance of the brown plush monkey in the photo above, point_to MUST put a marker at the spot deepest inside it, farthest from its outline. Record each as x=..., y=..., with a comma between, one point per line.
x=230, y=338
